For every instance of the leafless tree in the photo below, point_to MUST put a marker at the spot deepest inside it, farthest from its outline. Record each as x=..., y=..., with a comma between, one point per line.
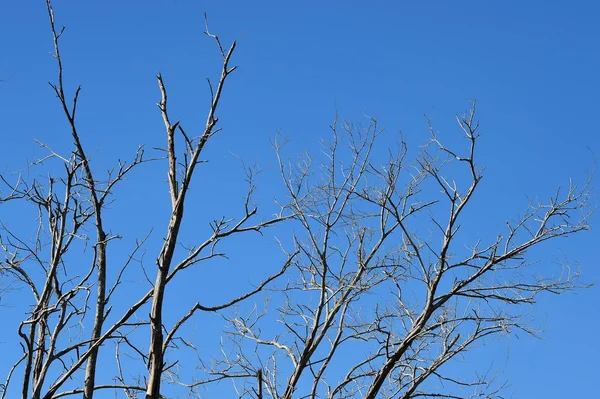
x=66, y=204
x=377, y=305
x=384, y=282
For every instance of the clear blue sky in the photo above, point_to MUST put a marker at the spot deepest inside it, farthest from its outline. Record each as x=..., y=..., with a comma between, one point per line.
x=532, y=66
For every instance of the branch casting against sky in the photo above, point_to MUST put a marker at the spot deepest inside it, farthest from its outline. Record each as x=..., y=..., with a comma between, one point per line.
x=387, y=263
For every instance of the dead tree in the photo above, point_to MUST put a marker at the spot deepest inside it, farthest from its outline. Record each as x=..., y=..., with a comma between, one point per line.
x=387, y=289
x=66, y=205
x=384, y=280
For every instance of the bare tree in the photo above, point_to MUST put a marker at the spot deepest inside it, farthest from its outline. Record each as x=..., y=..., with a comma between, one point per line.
x=383, y=284
x=368, y=280
x=60, y=304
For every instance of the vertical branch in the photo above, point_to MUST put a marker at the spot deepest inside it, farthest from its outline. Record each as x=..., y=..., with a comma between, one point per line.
x=97, y=204
x=162, y=105
x=178, y=194
x=259, y=377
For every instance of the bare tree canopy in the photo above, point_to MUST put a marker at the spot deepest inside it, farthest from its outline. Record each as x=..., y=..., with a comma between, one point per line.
x=372, y=274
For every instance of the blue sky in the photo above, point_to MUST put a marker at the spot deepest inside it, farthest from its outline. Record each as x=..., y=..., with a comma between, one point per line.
x=532, y=67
